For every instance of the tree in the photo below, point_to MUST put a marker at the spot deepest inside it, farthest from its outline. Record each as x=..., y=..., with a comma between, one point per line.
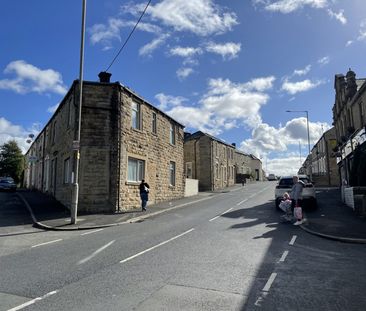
x=11, y=161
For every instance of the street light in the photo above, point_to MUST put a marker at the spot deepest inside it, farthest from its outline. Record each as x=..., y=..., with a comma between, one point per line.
x=307, y=126
x=76, y=144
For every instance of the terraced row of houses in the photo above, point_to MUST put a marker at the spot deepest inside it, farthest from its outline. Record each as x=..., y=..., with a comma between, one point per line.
x=339, y=156
x=124, y=139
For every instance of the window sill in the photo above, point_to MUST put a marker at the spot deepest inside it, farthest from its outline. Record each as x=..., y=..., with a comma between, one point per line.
x=132, y=183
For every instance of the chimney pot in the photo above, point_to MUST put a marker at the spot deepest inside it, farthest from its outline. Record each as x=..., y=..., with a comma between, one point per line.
x=104, y=77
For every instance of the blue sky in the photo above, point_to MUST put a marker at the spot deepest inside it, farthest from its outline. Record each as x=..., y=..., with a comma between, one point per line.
x=229, y=68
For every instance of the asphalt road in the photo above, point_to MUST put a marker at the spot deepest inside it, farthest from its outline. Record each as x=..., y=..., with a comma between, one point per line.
x=226, y=253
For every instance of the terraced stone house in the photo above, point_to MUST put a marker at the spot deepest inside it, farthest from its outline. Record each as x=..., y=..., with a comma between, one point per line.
x=124, y=139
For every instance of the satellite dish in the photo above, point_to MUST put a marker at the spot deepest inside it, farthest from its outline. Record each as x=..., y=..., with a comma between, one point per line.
x=31, y=135
x=28, y=141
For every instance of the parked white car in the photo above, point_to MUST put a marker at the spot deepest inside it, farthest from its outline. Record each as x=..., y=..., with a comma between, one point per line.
x=285, y=185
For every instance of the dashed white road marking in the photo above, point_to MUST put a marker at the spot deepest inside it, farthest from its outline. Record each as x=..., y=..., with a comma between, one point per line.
x=293, y=240
x=50, y=242
x=268, y=285
x=156, y=246
x=212, y=219
x=22, y=306
x=96, y=253
x=283, y=257
x=90, y=232
x=241, y=202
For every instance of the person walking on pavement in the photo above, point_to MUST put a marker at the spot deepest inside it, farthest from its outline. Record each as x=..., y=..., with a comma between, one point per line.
x=144, y=194
x=296, y=195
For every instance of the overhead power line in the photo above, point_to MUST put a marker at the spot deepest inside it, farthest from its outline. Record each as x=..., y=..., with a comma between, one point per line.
x=129, y=36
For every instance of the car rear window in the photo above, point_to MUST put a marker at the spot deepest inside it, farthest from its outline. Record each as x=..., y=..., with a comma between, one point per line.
x=286, y=182
x=289, y=181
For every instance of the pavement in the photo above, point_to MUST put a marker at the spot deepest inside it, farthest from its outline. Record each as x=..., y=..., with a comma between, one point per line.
x=332, y=219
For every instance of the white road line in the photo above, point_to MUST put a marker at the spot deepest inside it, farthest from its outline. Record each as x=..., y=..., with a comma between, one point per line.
x=50, y=242
x=212, y=219
x=90, y=232
x=241, y=202
x=251, y=196
x=269, y=282
x=95, y=253
x=227, y=211
x=284, y=255
x=156, y=246
x=293, y=240
x=32, y=301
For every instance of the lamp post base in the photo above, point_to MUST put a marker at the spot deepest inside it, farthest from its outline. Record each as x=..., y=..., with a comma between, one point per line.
x=74, y=203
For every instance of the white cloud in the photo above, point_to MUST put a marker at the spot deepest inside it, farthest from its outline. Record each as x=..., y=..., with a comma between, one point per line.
x=105, y=34
x=201, y=17
x=338, y=16
x=286, y=166
x=227, y=50
x=349, y=42
x=268, y=140
x=168, y=100
x=301, y=86
x=9, y=131
x=147, y=49
x=29, y=78
x=225, y=105
x=289, y=6
x=302, y=72
x=183, y=73
x=324, y=60
x=52, y=109
x=185, y=51
x=362, y=31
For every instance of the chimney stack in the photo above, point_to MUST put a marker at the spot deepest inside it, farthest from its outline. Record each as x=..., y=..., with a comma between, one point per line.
x=104, y=77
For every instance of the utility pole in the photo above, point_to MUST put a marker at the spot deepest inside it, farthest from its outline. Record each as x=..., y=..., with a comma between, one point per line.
x=76, y=144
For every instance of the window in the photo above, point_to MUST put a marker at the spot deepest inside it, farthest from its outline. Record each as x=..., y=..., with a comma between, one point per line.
x=172, y=134
x=67, y=171
x=172, y=173
x=136, y=116
x=136, y=170
x=154, y=123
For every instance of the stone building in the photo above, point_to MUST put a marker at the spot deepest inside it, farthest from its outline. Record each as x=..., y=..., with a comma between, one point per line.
x=256, y=168
x=323, y=160
x=349, y=120
x=124, y=139
x=242, y=166
x=210, y=160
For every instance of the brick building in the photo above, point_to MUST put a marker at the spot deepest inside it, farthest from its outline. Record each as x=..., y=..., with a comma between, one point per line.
x=123, y=139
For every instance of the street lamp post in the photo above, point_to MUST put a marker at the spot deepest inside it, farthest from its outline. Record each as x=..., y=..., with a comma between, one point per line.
x=76, y=144
x=307, y=126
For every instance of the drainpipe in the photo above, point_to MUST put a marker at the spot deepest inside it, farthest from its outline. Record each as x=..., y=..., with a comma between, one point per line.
x=327, y=159
x=211, y=166
x=119, y=150
x=195, y=157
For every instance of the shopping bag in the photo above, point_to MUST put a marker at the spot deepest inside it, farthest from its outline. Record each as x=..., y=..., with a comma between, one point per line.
x=298, y=212
x=285, y=205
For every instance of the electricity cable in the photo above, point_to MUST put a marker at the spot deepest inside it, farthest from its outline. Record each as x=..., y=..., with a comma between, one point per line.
x=129, y=36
